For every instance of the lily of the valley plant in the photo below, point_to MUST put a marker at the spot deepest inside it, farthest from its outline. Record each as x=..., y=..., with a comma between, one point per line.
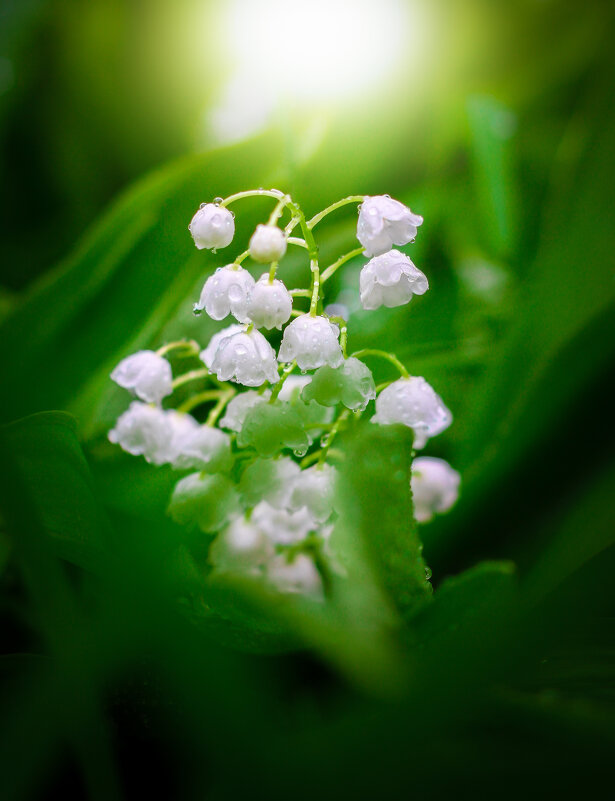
x=260, y=468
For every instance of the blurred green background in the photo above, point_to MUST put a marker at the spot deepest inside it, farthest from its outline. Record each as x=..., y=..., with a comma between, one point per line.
x=495, y=121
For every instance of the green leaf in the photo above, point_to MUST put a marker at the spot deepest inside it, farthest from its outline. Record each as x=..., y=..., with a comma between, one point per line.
x=464, y=599
x=377, y=509
x=123, y=283
x=351, y=383
x=204, y=501
x=59, y=485
x=271, y=427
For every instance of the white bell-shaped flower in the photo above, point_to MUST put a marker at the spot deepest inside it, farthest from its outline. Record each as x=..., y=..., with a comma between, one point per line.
x=147, y=374
x=242, y=547
x=183, y=426
x=144, y=431
x=312, y=341
x=298, y=576
x=314, y=489
x=208, y=355
x=283, y=527
x=239, y=406
x=246, y=358
x=267, y=244
x=435, y=487
x=390, y=280
x=270, y=303
x=413, y=403
x=203, y=448
x=226, y=292
x=384, y=222
x=212, y=227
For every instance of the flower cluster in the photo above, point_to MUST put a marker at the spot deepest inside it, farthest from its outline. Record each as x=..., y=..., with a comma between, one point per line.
x=254, y=439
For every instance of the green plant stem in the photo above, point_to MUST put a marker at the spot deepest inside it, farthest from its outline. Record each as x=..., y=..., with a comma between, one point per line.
x=300, y=293
x=242, y=257
x=343, y=326
x=278, y=387
x=274, y=193
x=332, y=434
x=383, y=355
x=330, y=270
x=217, y=410
x=333, y=207
x=272, y=271
x=202, y=397
x=296, y=240
x=190, y=345
x=192, y=375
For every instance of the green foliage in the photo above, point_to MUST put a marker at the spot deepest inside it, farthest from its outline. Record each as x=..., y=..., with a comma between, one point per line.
x=210, y=500
x=351, y=384
x=270, y=427
x=115, y=635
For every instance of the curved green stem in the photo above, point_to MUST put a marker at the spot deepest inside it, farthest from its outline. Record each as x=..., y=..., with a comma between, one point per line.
x=274, y=193
x=337, y=205
x=337, y=264
x=196, y=400
x=296, y=240
x=242, y=257
x=300, y=293
x=277, y=387
x=217, y=410
x=192, y=375
x=272, y=271
x=332, y=434
x=190, y=345
x=383, y=355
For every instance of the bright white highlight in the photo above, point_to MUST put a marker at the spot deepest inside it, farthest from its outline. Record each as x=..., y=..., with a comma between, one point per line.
x=316, y=52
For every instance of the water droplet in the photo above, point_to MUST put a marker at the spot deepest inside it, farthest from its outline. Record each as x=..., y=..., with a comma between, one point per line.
x=214, y=250
x=202, y=205
x=196, y=311
x=324, y=440
x=427, y=573
x=300, y=452
x=218, y=200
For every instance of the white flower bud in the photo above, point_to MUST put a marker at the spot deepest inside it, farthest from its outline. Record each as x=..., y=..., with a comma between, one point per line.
x=314, y=489
x=144, y=431
x=268, y=244
x=413, y=403
x=203, y=448
x=226, y=292
x=390, y=280
x=312, y=341
x=283, y=527
x=241, y=547
x=212, y=227
x=208, y=355
x=237, y=408
x=147, y=374
x=435, y=487
x=246, y=358
x=270, y=303
x=298, y=576
x=384, y=222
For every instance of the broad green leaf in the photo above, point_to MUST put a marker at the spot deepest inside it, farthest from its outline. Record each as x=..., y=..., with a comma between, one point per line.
x=119, y=288
x=462, y=600
x=59, y=484
x=377, y=512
